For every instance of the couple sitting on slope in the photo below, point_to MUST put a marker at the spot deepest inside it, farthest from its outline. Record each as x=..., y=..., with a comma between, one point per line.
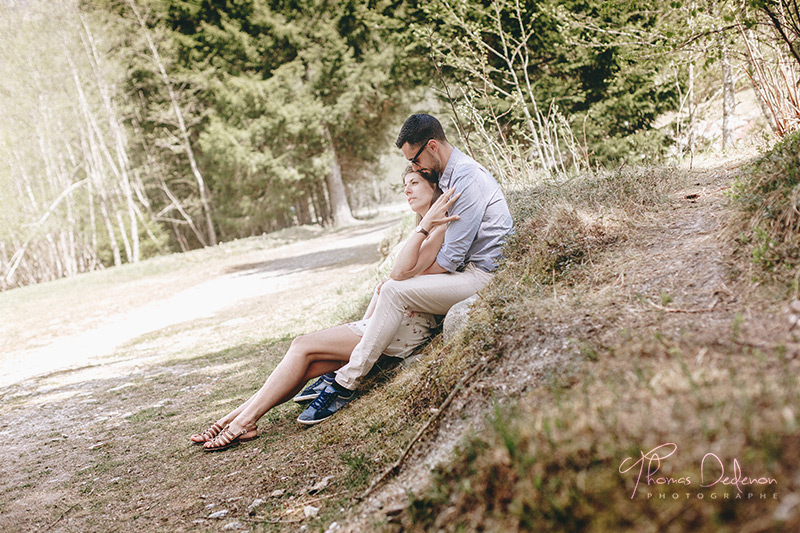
x=463, y=220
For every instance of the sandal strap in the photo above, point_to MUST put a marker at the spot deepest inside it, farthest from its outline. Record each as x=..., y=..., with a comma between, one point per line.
x=208, y=434
x=226, y=436
x=213, y=431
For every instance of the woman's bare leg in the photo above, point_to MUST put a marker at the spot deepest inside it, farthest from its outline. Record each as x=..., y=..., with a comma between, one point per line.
x=309, y=356
x=314, y=370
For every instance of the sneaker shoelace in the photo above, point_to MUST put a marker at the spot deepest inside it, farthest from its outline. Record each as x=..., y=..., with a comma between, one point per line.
x=323, y=399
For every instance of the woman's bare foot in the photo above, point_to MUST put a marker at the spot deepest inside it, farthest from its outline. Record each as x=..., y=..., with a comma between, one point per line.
x=207, y=435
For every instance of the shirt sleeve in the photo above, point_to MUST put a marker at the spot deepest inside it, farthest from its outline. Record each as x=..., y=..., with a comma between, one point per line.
x=461, y=233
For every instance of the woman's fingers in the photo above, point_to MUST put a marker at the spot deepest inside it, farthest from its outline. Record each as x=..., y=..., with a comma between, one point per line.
x=445, y=201
x=446, y=197
x=452, y=200
x=437, y=214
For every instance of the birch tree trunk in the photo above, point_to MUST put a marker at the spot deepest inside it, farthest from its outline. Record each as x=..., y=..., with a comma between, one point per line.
x=120, y=144
x=691, y=104
x=728, y=94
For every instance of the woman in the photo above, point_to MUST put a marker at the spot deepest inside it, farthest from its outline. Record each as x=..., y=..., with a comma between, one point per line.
x=323, y=352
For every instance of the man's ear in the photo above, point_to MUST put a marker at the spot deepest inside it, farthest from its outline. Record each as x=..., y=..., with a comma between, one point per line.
x=434, y=146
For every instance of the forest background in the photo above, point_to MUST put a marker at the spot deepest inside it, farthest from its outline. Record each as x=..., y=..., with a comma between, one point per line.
x=133, y=128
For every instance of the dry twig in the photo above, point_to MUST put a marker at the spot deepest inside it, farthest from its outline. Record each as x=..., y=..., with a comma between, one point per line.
x=62, y=516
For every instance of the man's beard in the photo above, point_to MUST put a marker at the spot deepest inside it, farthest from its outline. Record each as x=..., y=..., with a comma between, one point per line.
x=430, y=174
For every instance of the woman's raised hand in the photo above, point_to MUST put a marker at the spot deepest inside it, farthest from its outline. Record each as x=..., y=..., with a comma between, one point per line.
x=437, y=214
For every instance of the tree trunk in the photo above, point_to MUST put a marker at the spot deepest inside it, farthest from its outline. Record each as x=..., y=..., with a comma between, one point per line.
x=341, y=214
x=321, y=206
x=690, y=102
x=728, y=94
x=750, y=40
x=120, y=145
x=303, y=211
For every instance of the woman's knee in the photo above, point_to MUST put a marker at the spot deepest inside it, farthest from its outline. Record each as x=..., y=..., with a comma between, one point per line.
x=300, y=347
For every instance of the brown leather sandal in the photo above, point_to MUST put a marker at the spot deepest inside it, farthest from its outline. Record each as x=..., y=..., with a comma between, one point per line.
x=207, y=435
x=227, y=439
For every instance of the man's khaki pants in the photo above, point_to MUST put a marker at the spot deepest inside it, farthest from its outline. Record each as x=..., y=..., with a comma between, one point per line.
x=434, y=293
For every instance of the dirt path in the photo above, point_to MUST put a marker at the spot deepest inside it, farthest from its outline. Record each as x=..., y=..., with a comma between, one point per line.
x=283, y=279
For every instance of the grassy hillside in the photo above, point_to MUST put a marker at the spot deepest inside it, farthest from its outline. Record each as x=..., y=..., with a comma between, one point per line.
x=682, y=372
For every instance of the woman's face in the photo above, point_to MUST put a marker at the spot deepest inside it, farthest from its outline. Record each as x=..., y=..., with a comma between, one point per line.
x=419, y=192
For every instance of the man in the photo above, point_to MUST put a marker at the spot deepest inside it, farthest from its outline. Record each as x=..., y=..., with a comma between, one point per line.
x=463, y=266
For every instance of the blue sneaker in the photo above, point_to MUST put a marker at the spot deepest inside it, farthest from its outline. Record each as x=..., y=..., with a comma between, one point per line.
x=333, y=398
x=312, y=391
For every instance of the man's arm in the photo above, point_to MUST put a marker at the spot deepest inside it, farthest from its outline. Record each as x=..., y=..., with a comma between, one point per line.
x=435, y=268
x=461, y=233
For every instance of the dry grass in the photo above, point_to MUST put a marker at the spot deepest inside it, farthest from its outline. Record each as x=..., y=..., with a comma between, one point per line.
x=590, y=311
x=661, y=343
x=768, y=224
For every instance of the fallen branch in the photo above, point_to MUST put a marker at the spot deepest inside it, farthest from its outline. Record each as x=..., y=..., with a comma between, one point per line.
x=763, y=345
x=393, y=469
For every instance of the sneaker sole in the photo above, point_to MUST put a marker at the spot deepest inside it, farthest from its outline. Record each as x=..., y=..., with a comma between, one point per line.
x=312, y=422
x=305, y=398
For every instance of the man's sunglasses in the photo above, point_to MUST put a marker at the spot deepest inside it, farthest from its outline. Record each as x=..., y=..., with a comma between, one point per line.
x=413, y=160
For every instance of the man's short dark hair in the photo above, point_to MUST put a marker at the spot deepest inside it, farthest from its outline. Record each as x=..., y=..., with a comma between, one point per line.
x=419, y=128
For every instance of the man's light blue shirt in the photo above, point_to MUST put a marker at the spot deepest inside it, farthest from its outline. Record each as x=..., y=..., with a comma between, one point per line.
x=485, y=221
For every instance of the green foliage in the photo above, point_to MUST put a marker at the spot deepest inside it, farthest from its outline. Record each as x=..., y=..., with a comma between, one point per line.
x=261, y=152
x=565, y=56
x=276, y=90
